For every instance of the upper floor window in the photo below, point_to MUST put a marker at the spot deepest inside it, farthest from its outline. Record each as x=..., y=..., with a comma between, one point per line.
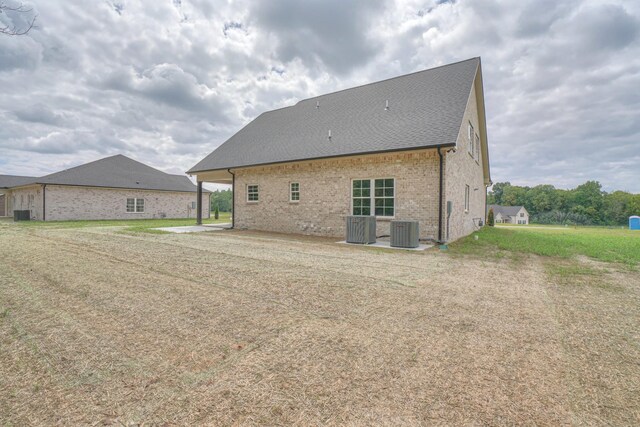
x=471, y=139
x=294, y=192
x=477, y=147
x=466, y=198
x=252, y=193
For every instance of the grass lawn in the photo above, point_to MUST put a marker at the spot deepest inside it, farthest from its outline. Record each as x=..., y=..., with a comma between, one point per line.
x=101, y=327
x=604, y=244
x=135, y=225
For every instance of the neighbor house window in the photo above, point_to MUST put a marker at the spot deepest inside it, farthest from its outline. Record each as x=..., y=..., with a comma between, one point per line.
x=466, y=198
x=477, y=147
x=471, y=139
x=193, y=205
x=380, y=203
x=135, y=205
x=252, y=193
x=522, y=214
x=294, y=192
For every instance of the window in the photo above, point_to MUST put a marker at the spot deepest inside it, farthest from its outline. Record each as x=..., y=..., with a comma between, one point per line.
x=522, y=214
x=466, y=198
x=361, y=194
x=194, y=205
x=477, y=147
x=135, y=205
x=471, y=139
x=294, y=192
x=381, y=203
x=252, y=193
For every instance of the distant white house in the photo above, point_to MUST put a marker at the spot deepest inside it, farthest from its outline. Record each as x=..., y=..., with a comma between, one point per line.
x=510, y=214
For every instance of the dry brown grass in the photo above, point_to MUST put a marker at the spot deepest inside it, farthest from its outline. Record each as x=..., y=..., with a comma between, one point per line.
x=240, y=328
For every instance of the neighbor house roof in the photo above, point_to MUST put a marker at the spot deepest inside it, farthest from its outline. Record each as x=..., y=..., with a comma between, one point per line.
x=8, y=181
x=505, y=210
x=425, y=110
x=118, y=172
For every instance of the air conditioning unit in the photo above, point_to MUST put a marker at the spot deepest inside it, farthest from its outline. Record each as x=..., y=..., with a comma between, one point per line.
x=21, y=215
x=405, y=234
x=361, y=229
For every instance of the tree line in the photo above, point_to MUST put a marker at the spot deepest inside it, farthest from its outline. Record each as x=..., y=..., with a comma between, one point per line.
x=222, y=199
x=587, y=204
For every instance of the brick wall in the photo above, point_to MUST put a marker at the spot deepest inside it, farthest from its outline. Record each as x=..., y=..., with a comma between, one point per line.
x=461, y=169
x=90, y=203
x=325, y=193
x=26, y=198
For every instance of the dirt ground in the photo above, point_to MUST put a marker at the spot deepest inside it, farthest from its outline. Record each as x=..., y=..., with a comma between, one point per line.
x=238, y=328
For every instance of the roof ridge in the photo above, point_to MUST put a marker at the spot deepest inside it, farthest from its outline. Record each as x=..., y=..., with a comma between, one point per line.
x=388, y=79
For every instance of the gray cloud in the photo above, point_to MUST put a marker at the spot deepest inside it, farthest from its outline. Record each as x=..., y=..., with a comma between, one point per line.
x=168, y=81
x=332, y=33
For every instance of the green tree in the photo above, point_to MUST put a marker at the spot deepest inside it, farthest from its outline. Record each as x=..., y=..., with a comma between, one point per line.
x=490, y=219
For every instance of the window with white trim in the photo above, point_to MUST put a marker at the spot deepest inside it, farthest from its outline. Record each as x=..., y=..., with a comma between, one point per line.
x=477, y=147
x=466, y=198
x=135, y=205
x=471, y=139
x=294, y=192
x=381, y=203
x=252, y=193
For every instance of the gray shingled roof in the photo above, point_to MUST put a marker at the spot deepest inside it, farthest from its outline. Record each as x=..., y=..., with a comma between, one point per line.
x=8, y=181
x=425, y=110
x=505, y=210
x=119, y=172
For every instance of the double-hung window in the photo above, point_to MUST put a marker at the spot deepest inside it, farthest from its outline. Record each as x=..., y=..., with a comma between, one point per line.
x=135, y=205
x=252, y=193
x=294, y=192
x=373, y=196
x=471, y=139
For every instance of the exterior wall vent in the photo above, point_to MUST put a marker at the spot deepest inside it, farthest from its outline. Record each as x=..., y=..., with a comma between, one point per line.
x=361, y=229
x=405, y=234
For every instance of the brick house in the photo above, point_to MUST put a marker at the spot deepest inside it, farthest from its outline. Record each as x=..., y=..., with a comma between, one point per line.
x=410, y=147
x=115, y=187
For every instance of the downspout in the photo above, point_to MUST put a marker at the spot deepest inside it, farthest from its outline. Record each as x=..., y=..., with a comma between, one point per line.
x=44, y=202
x=440, y=237
x=233, y=199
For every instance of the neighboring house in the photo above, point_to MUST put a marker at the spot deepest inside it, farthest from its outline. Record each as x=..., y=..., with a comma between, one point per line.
x=115, y=187
x=403, y=148
x=510, y=214
x=7, y=182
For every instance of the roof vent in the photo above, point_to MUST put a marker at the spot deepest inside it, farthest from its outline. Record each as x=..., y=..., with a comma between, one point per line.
x=317, y=104
x=329, y=136
x=386, y=104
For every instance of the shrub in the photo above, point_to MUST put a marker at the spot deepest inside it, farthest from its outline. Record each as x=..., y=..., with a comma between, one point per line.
x=216, y=213
x=490, y=219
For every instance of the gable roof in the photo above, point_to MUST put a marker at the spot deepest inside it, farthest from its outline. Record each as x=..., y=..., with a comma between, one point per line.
x=425, y=110
x=8, y=181
x=118, y=172
x=506, y=210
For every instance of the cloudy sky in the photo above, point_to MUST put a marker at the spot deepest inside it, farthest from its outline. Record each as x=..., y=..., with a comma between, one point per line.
x=167, y=81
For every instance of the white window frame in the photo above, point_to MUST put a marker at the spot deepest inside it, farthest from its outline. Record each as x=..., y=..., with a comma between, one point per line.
x=292, y=192
x=477, y=148
x=467, y=194
x=372, y=196
x=135, y=205
x=470, y=149
x=256, y=192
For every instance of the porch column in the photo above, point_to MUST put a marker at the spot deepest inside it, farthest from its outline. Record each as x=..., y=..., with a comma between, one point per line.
x=199, y=205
